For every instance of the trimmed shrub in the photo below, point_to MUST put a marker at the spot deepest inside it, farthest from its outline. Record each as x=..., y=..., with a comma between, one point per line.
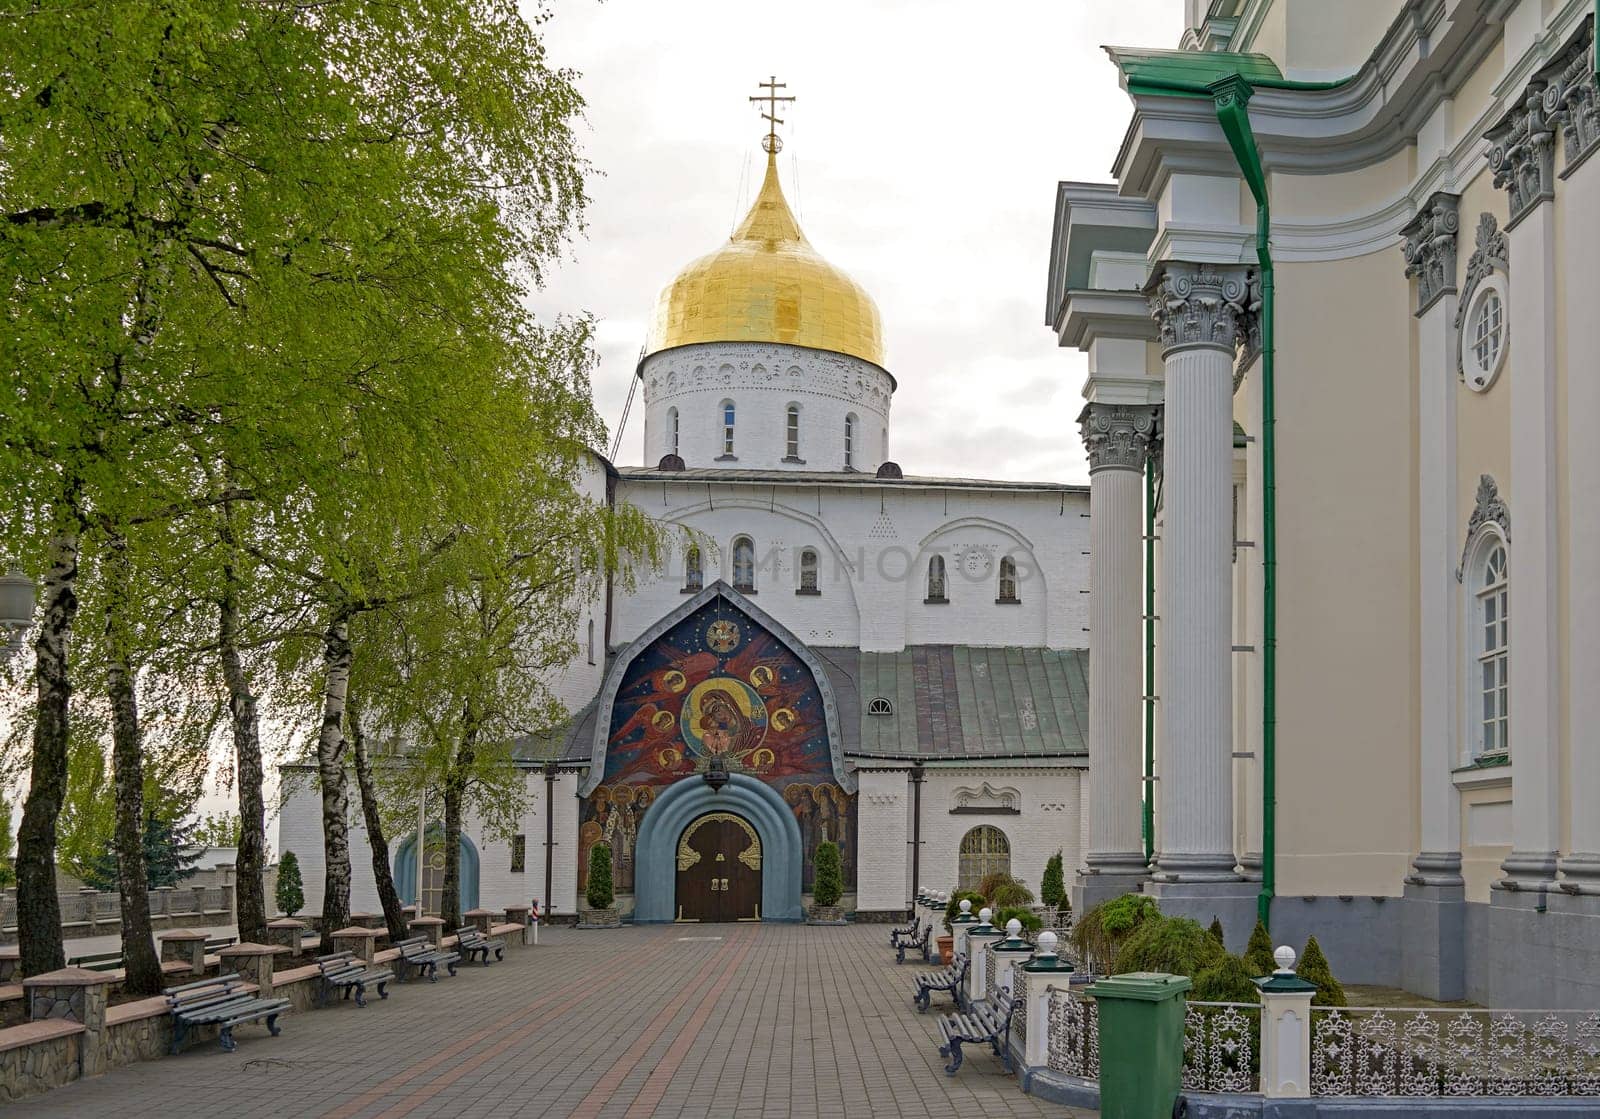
x=1031, y=921
x=1314, y=969
x=599, y=893
x=953, y=906
x=828, y=885
x=1053, y=886
x=1258, y=953
x=1002, y=889
x=1216, y=931
x=290, y=894
x=1099, y=933
x=1176, y=945
x=1227, y=980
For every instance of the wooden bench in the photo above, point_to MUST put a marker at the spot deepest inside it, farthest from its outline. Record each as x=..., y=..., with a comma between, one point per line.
x=225, y=1001
x=982, y=1023
x=921, y=944
x=341, y=971
x=896, y=935
x=950, y=979
x=471, y=941
x=418, y=952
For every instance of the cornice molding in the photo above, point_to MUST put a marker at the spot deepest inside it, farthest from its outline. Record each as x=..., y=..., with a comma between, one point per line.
x=1090, y=313
x=1430, y=248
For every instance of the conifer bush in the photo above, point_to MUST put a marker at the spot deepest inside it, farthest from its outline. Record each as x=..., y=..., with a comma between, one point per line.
x=599, y=893
x=1053, y=886
x=1216, y=931
x=1227, y=980
x=1031, y=921
x=1175, y=945
x=1101, y=930
x=828, y=885
x=1258, y=953
x=1314, y=969
x=290, y=893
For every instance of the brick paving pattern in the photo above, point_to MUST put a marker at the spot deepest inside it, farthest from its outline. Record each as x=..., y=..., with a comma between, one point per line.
x=765, y=1021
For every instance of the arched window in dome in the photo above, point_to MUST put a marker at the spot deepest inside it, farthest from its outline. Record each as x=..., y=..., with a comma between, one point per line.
x=791, y=433
x=850, y=441
x=936, y=591
x=744, y=564
x=694, y=576
x=1008, y=580
x=727, y=428
x=672, y=431
x=808, y=572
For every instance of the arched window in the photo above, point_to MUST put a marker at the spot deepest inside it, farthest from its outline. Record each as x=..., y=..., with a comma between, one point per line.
x=808, y=572
x=727, y=427
x=744, y=564
x=936, y=579
x=791, y=433
x=591, y=640
x=672, y=431
x=850, y=441
x=694, y=575
x=984, y=851
x=1491, y=604
x=1008, y=580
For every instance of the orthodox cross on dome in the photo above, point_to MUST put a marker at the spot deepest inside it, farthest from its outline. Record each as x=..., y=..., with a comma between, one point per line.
x=770, y=142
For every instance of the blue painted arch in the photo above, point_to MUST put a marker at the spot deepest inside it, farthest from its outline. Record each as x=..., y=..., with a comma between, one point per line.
x=655, y=874
x=405, y=868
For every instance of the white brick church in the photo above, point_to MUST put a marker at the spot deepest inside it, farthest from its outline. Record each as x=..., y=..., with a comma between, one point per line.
x=892, y=662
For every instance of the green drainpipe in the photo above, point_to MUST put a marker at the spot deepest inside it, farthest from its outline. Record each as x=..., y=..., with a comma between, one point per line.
x=1149, y=658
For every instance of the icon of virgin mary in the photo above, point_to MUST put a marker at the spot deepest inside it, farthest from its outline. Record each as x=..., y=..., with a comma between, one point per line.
x=725, y=716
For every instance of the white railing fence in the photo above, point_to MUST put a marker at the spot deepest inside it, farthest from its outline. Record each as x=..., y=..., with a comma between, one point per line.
x=1372, y=1051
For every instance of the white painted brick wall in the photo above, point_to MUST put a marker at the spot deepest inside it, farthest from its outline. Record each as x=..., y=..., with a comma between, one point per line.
x=882, y=851
x=1049, y=821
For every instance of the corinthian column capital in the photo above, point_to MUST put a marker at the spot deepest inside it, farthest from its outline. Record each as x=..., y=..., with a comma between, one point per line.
x=1118, y=436
x=1430, y=248
x=1213, y=305
x=1522, y=152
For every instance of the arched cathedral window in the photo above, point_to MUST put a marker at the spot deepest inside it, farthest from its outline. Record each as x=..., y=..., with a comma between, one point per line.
x=808, y=572
x=850, y=441
x=791, y=433
x=727, y=427
x=744, y=564
x=936, y=587
x=984, y=851
x=1008, y=580
x=1492, y=633
x=694, y=575
x=672, y=431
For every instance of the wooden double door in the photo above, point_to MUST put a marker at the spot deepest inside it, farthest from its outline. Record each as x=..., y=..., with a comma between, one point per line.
x=719, y=870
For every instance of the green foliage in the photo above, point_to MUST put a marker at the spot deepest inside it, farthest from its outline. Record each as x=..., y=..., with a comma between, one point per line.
x=1226, y=980
x=1216, y=932
x=1258, y=953
x=1176, y=945
x=1101, y=930
x=290, y=895
x=1053, y=886
x=221, y=830
x=599, y=894
x=828, y=885
x=953, y=907
x=1313, y=968
x=8, y=872
x=170, y=854
x=1031, y=921
x=88, y=818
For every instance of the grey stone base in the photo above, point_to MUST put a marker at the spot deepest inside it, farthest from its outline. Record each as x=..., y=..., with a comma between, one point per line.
x=1092, y=889
x=1056, y=1087
x=882, y=916
x=1433, y=921
x=1232, y=903
x=1206, y=1105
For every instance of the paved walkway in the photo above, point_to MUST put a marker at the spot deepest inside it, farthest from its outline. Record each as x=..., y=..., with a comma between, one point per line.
x=764, y=1021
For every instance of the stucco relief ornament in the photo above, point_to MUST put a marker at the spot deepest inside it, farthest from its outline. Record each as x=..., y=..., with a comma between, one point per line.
x=1572, y=99
x=1430, y=248
x=1491, y=251
x=1250, y=329
x=1522, y=152
x=1489, y=509
x=1197, y=305
x=1118, y=436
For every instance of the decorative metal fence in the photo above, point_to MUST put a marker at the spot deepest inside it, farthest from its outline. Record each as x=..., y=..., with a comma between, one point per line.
x=1369, y=1051
x=990, y=986
x=1221, y=1047
x=1074, y=1034
x=1019, y=996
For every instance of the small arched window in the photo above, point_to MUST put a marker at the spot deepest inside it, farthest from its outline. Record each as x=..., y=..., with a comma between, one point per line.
x=879, y=705
x=1008, y=580
x=791, y=433
x=1492, y=596
x=744, y=564
x=672, y=431
x=984, y=851
x=591, y=640
x=694, y=575
x=936, y=585
x=850, y=441
x=808, y=572
x=727, y=427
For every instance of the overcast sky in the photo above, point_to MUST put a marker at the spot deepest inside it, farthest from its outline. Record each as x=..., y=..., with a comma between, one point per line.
x=921, y=156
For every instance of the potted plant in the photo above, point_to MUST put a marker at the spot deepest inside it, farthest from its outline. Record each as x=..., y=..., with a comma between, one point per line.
x=947, y=943
x=601, y=913
x=827, y=887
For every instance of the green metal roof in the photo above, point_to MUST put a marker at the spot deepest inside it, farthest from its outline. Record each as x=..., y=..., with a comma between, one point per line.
x=1187, y=73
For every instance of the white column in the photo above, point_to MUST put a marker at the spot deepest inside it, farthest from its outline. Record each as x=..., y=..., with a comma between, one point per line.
x=1199, y=309
x=1118, y=440
x=1526, y=168
x=1430, y=250
x=1580, y=202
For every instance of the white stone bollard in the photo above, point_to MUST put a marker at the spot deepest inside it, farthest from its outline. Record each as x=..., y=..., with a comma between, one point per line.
x=1009, y=953
x=1285, y=1030
x=1047, y=972
x=960, y=924
x=979, y=937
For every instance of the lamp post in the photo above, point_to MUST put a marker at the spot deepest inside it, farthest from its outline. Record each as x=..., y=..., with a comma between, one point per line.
x=17, y=602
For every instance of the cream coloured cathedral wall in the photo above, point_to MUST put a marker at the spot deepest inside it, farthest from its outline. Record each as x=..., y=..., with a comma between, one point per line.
x=1346, y=556
x=1049, y=821
x=1320, y=39
x=874, y=543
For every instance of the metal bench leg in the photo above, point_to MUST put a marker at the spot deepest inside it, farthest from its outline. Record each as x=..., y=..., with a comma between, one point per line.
x=178, y=1030
x=921, y=999
x=499, y=953
x=450, y=967
x=383, y=988
x=272, y=1025
x=361, y=993
x=954, y=1053
x=225, y=1035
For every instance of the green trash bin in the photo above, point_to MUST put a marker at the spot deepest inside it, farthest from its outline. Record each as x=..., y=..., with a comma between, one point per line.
x=1141, y=1043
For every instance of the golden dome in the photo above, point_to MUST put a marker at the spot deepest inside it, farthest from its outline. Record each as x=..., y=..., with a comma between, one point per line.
x=767, y=284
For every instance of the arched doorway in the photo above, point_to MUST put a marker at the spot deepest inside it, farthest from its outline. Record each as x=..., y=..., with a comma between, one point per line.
x=432, y=878
x=984, y=851
x=719, y=869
